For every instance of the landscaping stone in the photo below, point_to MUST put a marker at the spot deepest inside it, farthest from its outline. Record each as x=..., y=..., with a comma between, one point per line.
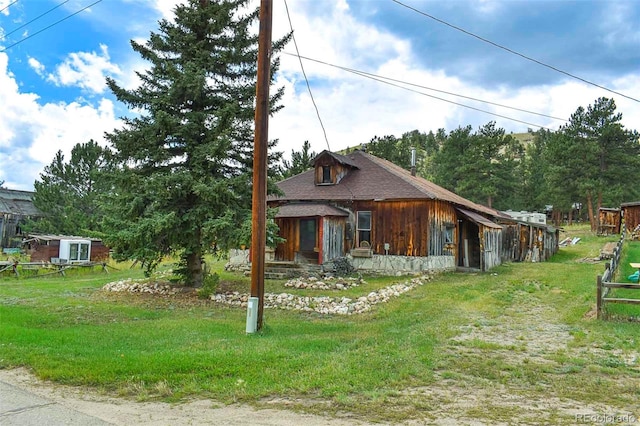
x=320, y=304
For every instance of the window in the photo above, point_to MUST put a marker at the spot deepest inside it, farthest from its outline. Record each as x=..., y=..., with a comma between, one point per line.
x=364, y=228
x=326, y=174
x=78, y=252
x=73, y=251
x=84, y=251
x=448, y=234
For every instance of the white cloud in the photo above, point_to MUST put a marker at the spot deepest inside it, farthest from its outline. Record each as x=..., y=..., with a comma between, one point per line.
x=4, y=6
x=354, y=109
x=31, y=132
x=36, y=65
x=85, y=70
x=166, y=7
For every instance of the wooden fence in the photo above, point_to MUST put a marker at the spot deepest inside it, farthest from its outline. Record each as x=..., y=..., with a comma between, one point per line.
x=604, y=283
x=16, y=268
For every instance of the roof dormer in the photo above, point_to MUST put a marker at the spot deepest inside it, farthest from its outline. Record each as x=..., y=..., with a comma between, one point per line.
x=331, y=168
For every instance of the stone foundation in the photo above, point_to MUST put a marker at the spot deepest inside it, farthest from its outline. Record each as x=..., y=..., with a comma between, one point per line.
x=399, y=265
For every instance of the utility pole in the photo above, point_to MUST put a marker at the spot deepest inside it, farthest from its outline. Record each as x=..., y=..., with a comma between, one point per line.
x=261, y=141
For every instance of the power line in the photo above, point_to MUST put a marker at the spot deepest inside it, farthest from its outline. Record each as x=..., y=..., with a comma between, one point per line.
x=8, y=6
x=305, y=76
x=46, y=28
x=513, y=51
x=433, y=89
x=35, y=19
x=384, y=80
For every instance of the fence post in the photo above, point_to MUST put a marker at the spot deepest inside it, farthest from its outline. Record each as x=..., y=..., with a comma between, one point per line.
x=599, y=297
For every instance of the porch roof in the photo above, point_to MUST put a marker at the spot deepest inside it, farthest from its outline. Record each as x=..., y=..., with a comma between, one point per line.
x=309, y=210
x=480, y=220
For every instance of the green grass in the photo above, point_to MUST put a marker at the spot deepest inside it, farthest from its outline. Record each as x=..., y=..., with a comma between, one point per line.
x=66, y=330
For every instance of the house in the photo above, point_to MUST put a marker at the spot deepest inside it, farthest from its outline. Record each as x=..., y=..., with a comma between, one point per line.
x=631, y=214
x=383, y=218
x=65, y=249
x=15, y=207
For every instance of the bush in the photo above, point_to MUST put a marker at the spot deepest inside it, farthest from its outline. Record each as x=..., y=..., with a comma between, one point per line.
x=209, y=285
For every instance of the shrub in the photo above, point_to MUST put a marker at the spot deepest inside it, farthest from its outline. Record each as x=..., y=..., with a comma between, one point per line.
x=209, y=285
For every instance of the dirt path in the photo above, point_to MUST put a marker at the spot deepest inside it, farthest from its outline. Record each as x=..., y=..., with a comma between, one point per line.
x=120, y=411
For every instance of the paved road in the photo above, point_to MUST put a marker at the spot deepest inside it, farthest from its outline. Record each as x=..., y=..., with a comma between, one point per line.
x=21, y=407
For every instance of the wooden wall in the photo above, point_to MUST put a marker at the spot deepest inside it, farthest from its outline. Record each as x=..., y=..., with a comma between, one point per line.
x=338, y=170
x=332, y=237
x=411, y=228
x=290, y=231
x=631, y=217
x=490, y=247
x=44, y=252
x=609, y=221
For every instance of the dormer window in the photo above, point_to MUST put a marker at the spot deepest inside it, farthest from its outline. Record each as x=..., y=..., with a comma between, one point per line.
x=326, y=174
x=331, y=168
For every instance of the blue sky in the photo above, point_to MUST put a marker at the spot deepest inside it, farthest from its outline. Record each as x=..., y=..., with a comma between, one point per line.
x=53, y=95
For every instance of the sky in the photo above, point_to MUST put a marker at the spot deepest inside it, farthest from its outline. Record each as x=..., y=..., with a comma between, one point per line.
x=441, y=53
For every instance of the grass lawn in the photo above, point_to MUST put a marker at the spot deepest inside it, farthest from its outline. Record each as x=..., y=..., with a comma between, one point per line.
x=520, y=340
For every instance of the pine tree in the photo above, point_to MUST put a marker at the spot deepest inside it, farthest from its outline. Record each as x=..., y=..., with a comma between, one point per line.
x=301, y=161
x=595, y=155
x=184, y=184
x=69, y=192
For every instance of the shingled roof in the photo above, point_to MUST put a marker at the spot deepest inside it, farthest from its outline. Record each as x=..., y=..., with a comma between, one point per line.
x=373, y=178
x=19, y=203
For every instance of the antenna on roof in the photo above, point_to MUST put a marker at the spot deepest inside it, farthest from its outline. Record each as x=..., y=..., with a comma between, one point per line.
x=413, y=161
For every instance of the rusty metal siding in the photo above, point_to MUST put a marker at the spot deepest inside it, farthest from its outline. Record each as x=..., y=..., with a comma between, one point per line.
x=333, y=238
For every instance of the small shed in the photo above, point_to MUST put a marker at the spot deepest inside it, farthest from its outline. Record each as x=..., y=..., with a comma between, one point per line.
x=65, y=249
x=609, y=221
x=15, y=207
x=631, y=214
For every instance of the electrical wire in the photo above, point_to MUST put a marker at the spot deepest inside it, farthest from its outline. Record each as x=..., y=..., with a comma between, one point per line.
x=8, y=6
x=305, y=75
x=431, y=88
x=382, y=80
x=52, y=25
x=513, y=51
x=34, y=19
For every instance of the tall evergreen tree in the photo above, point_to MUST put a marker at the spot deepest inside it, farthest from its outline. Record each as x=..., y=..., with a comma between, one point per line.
x=453, y=152
x=595, y=154
x=301, y=161
x=69, y=192
x=534, y=187
x=184, y=184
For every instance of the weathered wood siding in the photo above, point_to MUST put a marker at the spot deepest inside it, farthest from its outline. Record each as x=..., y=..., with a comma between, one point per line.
x=528, y=242
x=609, y=221
x=411, y=228
x=631, y=217
x=289, y=230
x=332, y=237
x=338, y=170
x=490, y=247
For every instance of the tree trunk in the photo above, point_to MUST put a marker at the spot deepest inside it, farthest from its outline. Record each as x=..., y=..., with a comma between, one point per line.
x=570, y=216
x=194, y=269
x=489, y=201
x=592, y=219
